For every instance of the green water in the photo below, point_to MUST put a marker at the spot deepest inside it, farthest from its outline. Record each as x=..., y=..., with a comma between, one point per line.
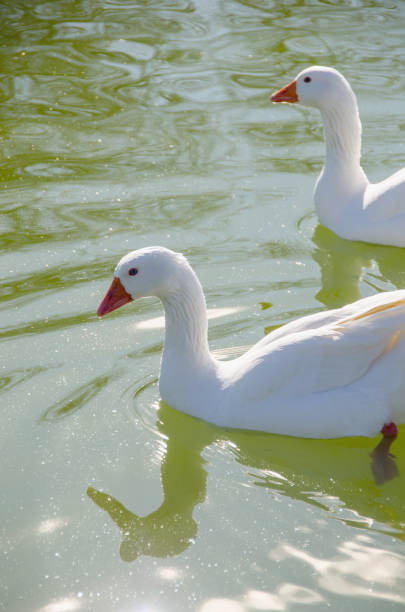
x=125, y=124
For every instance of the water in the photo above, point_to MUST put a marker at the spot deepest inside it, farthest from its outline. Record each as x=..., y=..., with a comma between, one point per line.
x=126, y=124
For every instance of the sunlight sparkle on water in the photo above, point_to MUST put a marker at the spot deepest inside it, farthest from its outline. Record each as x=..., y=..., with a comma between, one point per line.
x=51, y=525
x=63, y=605
x=221, y=605
x=169, y=573
x=360, y=570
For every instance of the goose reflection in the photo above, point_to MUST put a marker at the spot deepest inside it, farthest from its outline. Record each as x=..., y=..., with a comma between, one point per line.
x=314, y=471
x=171, y=528
x=342, y=263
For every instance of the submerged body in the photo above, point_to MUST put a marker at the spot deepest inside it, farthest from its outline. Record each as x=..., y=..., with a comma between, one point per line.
x=345, y=201
x=331, y=374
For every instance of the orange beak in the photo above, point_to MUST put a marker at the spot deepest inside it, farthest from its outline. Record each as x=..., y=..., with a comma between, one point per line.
x=115, y=297
x=287, y=94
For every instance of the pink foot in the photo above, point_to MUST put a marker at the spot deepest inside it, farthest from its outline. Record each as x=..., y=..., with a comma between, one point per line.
x=390, y=430
x=383, y=462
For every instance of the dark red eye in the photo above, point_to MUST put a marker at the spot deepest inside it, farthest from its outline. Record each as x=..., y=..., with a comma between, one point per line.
x=133, y=271
x=307, y=80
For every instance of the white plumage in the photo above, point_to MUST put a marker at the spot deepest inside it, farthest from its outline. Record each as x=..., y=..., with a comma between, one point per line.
x=345, y=201
x=330, y=374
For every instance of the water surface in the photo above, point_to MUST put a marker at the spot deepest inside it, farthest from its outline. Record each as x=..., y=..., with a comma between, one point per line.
x=126, y=124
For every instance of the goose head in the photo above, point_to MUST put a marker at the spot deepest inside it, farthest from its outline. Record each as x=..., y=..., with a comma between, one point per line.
x=152, y=271
x=318, y=86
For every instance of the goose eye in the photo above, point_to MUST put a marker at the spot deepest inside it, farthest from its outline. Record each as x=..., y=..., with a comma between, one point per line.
x=307, y=80
x=133, y=271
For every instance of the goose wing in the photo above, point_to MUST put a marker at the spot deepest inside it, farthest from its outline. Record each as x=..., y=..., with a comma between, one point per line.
x=331, y=356
x=385, y=201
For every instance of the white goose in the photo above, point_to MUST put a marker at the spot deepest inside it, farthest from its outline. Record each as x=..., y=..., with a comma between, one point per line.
x=345, y=201
x=330, y=374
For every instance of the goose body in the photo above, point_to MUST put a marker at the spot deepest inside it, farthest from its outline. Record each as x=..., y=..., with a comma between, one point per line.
x=345, y=201
x=330, y=374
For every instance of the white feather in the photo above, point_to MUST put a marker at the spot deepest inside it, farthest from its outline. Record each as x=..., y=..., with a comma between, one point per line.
x=330, y=374
x=345, y=201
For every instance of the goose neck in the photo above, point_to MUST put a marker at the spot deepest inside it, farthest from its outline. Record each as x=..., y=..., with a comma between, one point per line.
x=342, y=128
x=186, y=323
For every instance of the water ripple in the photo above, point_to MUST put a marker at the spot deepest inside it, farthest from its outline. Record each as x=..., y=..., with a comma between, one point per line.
x=79, y=398
x=16, y=377
x=359, y=569
x=132, y=123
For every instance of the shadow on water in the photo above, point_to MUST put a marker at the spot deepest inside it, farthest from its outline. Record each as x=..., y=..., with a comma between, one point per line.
x=328, y=474
x=342, y=263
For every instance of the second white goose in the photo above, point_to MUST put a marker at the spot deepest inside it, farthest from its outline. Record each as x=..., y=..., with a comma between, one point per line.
x=345, y=201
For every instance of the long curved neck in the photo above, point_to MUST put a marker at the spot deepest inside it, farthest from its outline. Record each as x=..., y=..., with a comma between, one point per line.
x=186, y=321
x=188, y=377
x=342, y=128
x=342, y=180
